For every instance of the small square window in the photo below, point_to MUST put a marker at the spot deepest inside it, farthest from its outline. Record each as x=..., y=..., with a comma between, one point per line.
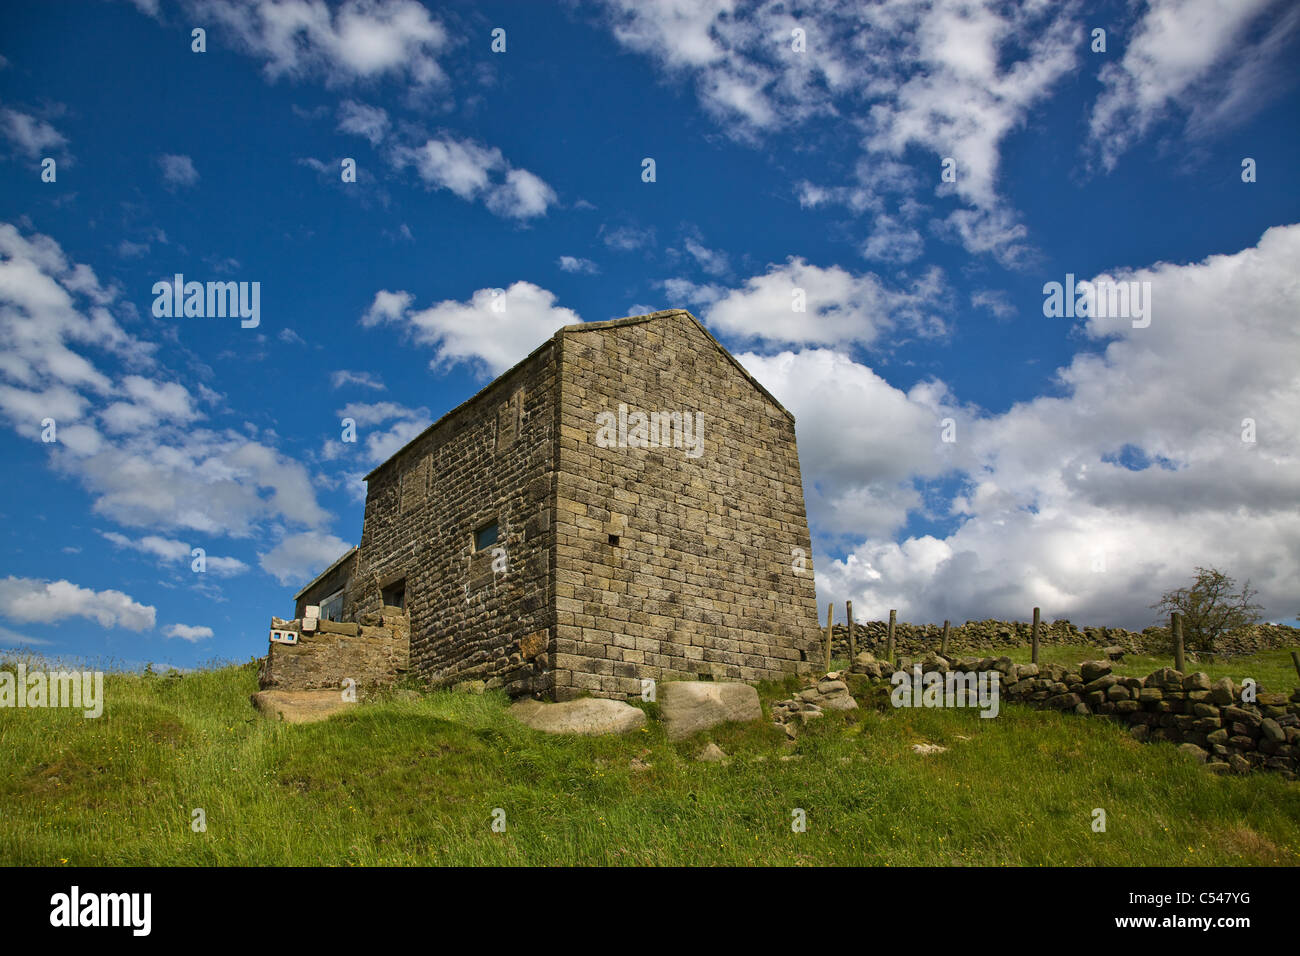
x=613, y=540
x=486, y=536
x=395, y=594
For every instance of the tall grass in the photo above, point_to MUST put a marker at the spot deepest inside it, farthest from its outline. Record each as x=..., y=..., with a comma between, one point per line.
x=402, y=780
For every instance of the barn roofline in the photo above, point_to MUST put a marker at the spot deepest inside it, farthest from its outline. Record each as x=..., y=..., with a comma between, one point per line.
x=582, y=327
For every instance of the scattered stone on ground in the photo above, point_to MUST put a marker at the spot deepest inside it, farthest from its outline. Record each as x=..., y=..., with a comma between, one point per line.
x=469, y=687
x=928, y=749
x=587, y=717
x=712, y=754
x=689, y=706
x=300, y=706
x=829, y=693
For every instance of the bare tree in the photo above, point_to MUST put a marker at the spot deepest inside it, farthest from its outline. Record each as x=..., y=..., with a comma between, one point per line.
x=1211, y=608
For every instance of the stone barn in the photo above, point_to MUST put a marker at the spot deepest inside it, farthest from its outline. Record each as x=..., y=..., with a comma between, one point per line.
x=625, y=503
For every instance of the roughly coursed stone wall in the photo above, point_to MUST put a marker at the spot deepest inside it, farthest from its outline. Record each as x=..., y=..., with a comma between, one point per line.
x=1207, y=719
x=371, y=654
x=711, y=575
x=987, y=635
x=476, y=615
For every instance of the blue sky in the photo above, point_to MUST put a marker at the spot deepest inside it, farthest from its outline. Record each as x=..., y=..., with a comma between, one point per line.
x=1094, y=460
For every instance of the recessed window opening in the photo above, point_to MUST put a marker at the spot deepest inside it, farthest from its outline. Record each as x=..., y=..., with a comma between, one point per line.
x=331, y=609
x=613, y=540
x=395, y=594
x=486, y=536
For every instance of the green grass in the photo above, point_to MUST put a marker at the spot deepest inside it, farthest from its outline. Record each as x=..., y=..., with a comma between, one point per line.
x=401, y=781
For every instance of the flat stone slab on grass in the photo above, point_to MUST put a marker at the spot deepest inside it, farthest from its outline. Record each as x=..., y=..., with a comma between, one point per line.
x=589, y=717
x=688, y=706
x=300, y=706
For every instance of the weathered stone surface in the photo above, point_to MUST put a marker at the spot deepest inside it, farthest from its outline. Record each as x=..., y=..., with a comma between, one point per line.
x=1091, y=670
x=586, y=717
x=1193, y=751
x=1223, y=691
x=712, y=754
x=300, y=706
x=690, y=706
x=1271, y=730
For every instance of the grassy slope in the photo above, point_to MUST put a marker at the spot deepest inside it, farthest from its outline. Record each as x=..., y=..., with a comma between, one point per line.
x=415, y=781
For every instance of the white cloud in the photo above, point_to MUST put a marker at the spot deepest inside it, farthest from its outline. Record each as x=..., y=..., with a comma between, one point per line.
x=33, y=137
x=358, y=40
x=1196, y=58
x=33, y=600
x=954, y=79
x=172, y=551
x=840, y=308
x=472, y=171
x=343, y=377
x=376, y=413
x=159, y=471
x=177, y=170
x=1134, y=461
x=496, y=330
x=297, y=558
x=188, y=632
x=12, y=640
x=361, y=120
x=577, y=264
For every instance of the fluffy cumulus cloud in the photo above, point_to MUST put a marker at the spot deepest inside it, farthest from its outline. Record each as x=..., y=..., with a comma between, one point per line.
x=28, y=600
x=473, y=171
x=188, y=632
x=297, y=558
x=355, y=40
x=1090, y=502
x=495, y=327
x=863, y=443
x=130, y=439
x=839, y=308
x=1214, y=62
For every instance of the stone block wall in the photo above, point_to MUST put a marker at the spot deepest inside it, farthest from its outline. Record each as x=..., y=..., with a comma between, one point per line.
x=373, y=654
x=669, y=565
x=477, y=615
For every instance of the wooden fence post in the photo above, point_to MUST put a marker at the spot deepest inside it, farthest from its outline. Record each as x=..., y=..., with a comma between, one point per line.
x=830, y=615
x=889, y=643
x=943, y=646
x=1037, y=616
x=853, y=640
x=1176, y=624
x=1295, y=659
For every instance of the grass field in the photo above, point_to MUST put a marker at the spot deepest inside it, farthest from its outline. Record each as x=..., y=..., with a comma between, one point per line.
x=416, y=781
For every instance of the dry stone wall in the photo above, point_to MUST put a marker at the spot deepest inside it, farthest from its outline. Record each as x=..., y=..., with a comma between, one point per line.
x=372, y=654
x=1207, y=719
x=917, y=639
x=668, y=563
